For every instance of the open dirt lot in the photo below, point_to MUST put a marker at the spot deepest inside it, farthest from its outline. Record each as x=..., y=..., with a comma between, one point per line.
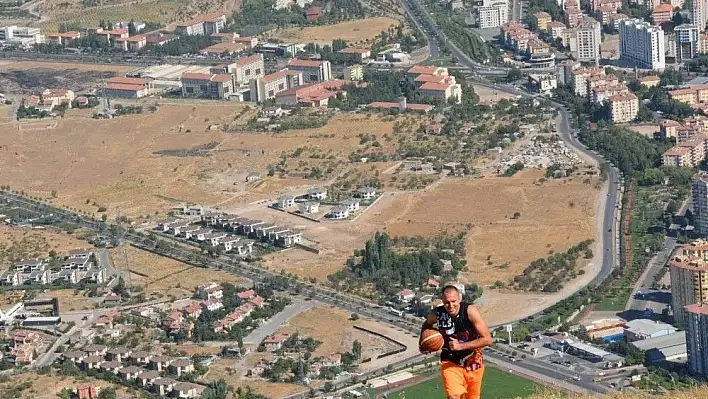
x=48, y=386
x=645, y=130
x=609, y=48
x=102, y=163
x=38, y=243
x=338, y=335
x=69, y=300
x=486, y=94
x=555, y=215
x=165, y=276
x=354, y=32
x=23, y=76
x=229, y=370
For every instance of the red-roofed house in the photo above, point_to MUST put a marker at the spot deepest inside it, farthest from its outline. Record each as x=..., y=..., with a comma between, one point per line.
x=417, y=70
x=247, y=294
x=159, y=38
x=312, y=95
x=257, y=301
x=224, y=37
x=193, y=311
x=133, y=43
x=312, y=70
x=313, y=13
x=274, y=342
x=63, y=39
x=358, y=54
x=127, y=87
x=204, y=85
x=406, y=295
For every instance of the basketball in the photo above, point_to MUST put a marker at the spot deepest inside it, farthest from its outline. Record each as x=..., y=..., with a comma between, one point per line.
x=431, y=340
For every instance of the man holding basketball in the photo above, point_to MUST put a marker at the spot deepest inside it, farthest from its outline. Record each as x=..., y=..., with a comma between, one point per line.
x=465, y=334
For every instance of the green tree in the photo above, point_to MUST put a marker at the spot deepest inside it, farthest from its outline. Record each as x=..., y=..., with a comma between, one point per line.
x=356, y=349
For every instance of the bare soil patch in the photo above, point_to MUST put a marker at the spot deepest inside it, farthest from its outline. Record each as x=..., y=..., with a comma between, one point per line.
x=486, y=94
x=230, y=371
x=30, y=243
x=356, y=32
x=43, y=385
x=165, y=276
x=23, y=76
x=69, y=299
x=645, y=130
x=338, y=335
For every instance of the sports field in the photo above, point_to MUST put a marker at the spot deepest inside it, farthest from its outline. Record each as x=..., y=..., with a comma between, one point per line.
x=497, y=384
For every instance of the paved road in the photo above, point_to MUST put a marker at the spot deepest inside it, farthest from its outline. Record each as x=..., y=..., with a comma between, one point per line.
x=650, y=298
x=269, y=327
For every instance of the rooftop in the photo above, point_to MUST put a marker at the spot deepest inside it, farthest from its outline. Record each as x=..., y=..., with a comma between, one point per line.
x=648, y=327
x=664, y=341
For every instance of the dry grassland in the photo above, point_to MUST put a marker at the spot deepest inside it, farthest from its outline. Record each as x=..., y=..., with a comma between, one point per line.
x=69, y=300
x=360, y=31
x=19, y=76
x=229, y=370
x=112, y=163
x=46, y=386
x=38, y=243
x=555, y=215
x=645, y=130
x=337, y=335
x=165, y=276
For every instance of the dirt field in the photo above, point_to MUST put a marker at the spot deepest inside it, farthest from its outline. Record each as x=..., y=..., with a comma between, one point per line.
x=645, y=130
x=228, y=369
x=554, y=216
x=46, y=386
x=355, y=32
x=70, y=300
x=339, y=334
x=609, y=48
x=165, y=276
x=486, y=94
x=107, y=168
x=37, y=243
x=23, y=76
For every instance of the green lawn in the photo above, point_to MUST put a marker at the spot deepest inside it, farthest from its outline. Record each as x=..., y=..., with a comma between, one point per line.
x=497, y=384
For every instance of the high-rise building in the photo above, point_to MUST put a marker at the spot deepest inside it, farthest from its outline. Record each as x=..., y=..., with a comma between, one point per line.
x=699, y=13
x=642, y=44
x=699, y=195
x=688, y=42
x=697, y=338
x=584, y=41
x=492, y=14
x=689, y=280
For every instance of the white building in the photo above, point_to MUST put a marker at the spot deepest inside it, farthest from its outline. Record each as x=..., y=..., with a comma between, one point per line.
x=699, y=195
x=20, y=35
x=699, y=13
x=493, y=14
x=542, y=83
x=642, y=44
x=584, y=41
x=688, y=42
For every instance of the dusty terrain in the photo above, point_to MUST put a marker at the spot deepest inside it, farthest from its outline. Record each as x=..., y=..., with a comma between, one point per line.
x=645, y=130
x=489, y=95
x=70, y=300
x=28, y=76
x=359, y=31
x=165, y=276
x=229, y=370
x=337, y=335
x=29, y=243
x=40, y=386
x=113, y=163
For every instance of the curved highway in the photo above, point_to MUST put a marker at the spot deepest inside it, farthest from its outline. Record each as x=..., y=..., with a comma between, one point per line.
x=609, y=229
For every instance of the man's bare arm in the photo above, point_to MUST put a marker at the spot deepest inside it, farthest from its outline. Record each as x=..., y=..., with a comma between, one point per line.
x=485, y=338
x=429, y=322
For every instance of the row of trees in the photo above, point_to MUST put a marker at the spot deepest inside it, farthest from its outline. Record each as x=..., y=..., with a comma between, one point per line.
x=548, y=275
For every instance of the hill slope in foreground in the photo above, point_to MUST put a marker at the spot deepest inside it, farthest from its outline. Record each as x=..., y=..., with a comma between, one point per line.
x=688, y=394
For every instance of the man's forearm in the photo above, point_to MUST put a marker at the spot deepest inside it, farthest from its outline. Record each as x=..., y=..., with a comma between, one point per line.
x=476, y=343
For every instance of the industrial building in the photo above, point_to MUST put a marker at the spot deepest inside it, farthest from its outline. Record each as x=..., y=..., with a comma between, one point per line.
x=639, y=329
x=666, y=348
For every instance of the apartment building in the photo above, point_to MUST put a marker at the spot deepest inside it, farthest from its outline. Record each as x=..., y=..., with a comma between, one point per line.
x=204, y=85
x=699, y=191
x=699, y=13
x=63, y=39
x=542, y=19
x=132, y=43
x=247, y=68
x=697, y=338
x=354, y=73
x=662, y=13
x=642, y=44
x=689, y=279
x=688, y=42
x=577, y=78
x=268, y=86
x=312, y=71
x=689, y=153
x=624, y=108
x=555, y=29
x=207, y=24
x=600, y=94
x=492, y=14
x=692, y=95
x=584, y=41
x=542, y=83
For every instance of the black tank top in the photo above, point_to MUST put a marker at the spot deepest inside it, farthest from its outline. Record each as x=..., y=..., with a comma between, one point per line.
x=461, y=328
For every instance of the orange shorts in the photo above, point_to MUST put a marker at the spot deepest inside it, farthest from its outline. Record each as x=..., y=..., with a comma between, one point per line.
x=459, y=382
